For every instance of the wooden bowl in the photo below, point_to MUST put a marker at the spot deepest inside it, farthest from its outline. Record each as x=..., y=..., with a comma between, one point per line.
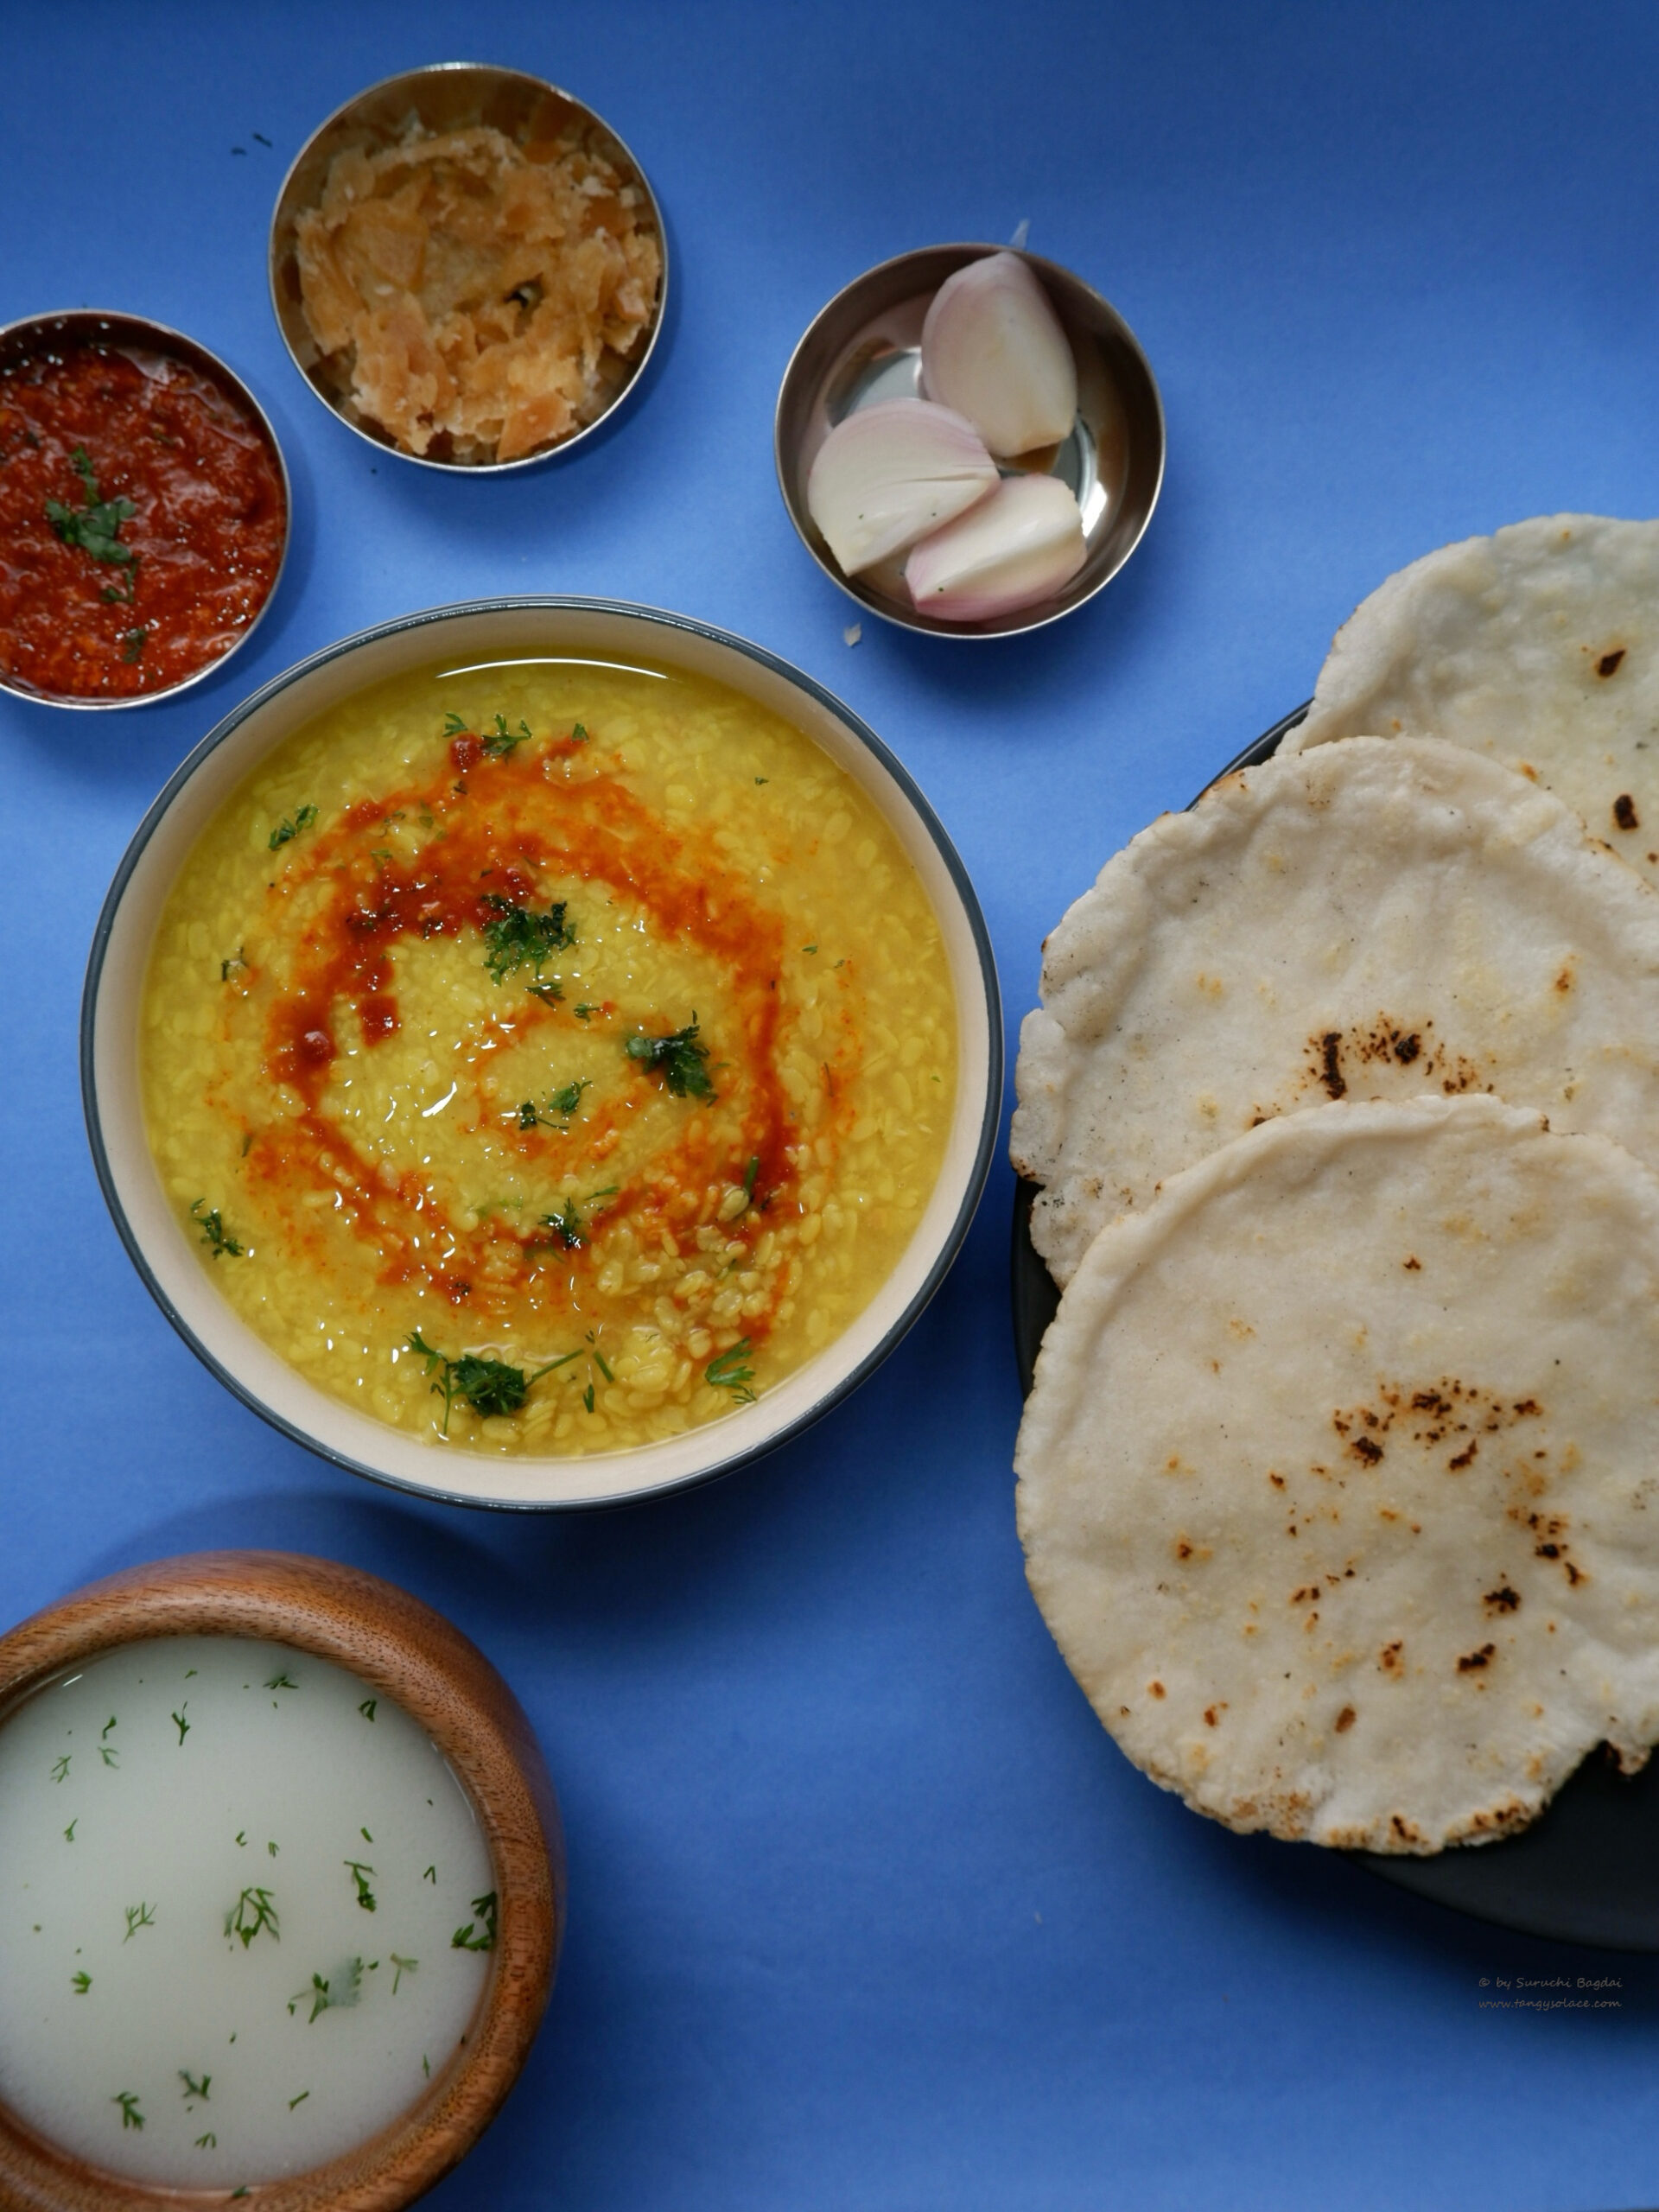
x=449, y=1688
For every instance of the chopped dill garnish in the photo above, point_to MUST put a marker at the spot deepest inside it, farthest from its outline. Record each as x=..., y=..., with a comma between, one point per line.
x=131, y=2115
x=453, y=725
x=270, y=1849
x=490, y=1386
x=290, y=826
x=431, y=1873
x=300, y=2100
x=515, y=936
x=603, y=1365
x=61, y=1767
x=254, y=1910
x=238, y=959
x=181, y=1723
x=403, y=1966
x=69, y=1833
x=110, y=1723
x=678, y=1058
x=138, y=1916
x=578, y=734
x=81, y=1983
x=208, y=2142
x=132, y=643
x=192, y=2087
x=749, y=1179
x=587, y=1397
x=281, y=1681
x=730, y=1370
x=501, y=742
x=361, y=1874
x=583, y=1011
x=367, y=1707
x=475, y=1936
x=214, y=1235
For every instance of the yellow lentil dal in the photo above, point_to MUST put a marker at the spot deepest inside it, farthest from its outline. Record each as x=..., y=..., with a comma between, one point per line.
x=547, y=1056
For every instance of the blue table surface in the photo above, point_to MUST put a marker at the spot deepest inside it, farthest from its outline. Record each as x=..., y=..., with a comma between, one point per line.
x=867, y=1910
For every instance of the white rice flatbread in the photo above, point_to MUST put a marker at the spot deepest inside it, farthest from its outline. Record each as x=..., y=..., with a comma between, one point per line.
x=1538, y=646
x=1339, y=1481
x=1372, y=919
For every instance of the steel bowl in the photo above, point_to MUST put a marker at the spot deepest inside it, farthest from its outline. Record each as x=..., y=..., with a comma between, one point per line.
x=866, y=346
x=503, y=629
x=119, y=333
x=447, y=96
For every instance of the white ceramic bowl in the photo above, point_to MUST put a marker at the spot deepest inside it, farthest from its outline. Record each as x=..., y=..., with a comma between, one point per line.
x=482, y=631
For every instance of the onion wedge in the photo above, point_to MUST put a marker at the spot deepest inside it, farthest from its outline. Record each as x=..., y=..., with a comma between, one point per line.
x=1012, y=549
x=888, y=475
x=992, y=348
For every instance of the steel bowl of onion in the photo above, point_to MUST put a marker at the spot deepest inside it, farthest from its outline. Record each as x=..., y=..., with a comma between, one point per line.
x=970, y=440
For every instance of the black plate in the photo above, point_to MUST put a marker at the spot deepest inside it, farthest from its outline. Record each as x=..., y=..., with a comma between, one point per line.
x=1587, y=1869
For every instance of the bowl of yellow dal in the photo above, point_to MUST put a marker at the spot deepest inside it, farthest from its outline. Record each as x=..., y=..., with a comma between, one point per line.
x=542, y=1053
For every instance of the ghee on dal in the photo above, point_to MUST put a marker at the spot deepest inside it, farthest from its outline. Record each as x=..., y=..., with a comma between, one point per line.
x=389, y=1085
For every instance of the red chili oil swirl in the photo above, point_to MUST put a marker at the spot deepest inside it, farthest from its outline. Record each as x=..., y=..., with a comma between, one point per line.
x=524, y=821
x=205, y=535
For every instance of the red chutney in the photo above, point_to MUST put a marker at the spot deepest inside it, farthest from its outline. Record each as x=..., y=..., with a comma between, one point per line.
x=87, y=427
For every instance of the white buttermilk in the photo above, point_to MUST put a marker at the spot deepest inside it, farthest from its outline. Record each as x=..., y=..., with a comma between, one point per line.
x=232, y=1879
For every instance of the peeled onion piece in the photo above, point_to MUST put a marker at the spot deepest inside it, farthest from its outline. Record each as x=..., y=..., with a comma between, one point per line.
x=1013, y=548
x=888, y=475
x=992, y=348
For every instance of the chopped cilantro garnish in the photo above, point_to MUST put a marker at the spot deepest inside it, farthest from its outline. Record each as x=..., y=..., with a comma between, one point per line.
x=477, y=1935
x=501, y=740
x=565, y=1223
x=290, y=826
x=514, y=936
x=678, y=1058
x=214, y=1235
x=490, y=1386
x=559, y=1106
x=95, y=528
x=729, y=1371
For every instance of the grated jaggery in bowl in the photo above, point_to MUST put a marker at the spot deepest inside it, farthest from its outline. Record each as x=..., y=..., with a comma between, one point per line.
x=477, y=298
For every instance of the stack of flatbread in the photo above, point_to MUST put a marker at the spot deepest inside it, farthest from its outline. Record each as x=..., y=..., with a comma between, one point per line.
x=1339, y=1478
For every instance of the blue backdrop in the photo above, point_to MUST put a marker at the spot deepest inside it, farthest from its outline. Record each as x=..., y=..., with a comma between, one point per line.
x=865, y=1909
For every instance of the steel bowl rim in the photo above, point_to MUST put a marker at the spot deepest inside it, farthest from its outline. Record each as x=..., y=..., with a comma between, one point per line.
x=182, y=342
x=467, y=468
x=1042, y=265
x=990, y=1113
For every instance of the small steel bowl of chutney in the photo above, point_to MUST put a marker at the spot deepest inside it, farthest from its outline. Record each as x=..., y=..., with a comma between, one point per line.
x=144, y=508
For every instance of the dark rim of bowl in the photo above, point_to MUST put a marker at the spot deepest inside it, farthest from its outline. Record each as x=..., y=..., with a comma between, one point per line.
x=115, y=327
x=562, y=446
x=891, y=612
x=681, y=625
